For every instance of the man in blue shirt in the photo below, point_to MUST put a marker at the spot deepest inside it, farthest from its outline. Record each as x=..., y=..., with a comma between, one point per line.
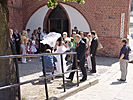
x=124, y=57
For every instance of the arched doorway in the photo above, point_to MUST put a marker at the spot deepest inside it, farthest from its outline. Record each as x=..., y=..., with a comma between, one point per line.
x=57, y=21
x=40, y=18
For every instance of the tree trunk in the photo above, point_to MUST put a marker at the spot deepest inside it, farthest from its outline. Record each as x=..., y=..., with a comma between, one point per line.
x=7, y=70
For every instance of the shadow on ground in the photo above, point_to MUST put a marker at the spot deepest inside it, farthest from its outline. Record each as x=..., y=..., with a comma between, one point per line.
x=53, y=98
x=41, y=82
x=106, y=61
x=117, y=83
x=35, y=65
x=69, y=85
x=29, y=68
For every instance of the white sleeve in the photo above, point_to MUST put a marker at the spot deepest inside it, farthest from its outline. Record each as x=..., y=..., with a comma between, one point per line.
x=90, y=42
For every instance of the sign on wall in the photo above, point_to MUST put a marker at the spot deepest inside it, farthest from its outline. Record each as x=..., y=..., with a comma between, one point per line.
x=122, y=25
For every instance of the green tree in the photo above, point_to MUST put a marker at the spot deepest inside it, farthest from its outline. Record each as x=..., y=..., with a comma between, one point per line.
x=53, y=3
x=7, y=71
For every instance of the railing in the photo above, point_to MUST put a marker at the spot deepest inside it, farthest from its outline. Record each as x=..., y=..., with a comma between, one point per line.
x=18, y=84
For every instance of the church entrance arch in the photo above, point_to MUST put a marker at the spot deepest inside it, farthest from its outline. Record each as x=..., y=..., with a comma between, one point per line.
x=57, y=21
x=61, y=19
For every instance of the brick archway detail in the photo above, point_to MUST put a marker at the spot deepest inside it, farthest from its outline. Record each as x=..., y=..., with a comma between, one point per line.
x=48, y=13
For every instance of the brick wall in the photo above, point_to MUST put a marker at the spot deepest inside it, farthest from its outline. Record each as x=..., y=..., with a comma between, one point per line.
x=16, y=14
x=104, y=16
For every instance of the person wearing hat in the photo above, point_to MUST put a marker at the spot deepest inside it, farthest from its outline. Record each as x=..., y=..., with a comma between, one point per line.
x=23, y=45
x=64, y=37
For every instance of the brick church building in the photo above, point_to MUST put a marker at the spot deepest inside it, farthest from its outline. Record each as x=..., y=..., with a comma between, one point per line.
x=110, y=19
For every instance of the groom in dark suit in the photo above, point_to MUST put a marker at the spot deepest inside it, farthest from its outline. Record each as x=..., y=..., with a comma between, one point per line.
x=81, y=51
x=93, y=50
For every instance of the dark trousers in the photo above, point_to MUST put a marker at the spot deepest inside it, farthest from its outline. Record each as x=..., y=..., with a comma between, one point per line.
x=93, y=61
x=42, y=48
x=83, y=70
x=18, y=49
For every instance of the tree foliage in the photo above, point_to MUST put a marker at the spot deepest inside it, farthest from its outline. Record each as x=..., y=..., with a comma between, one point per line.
x=53, y=3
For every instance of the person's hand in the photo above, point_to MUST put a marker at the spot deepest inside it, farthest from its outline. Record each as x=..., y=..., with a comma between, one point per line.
x=78, y=60
x=90, y=68
x=91, y=55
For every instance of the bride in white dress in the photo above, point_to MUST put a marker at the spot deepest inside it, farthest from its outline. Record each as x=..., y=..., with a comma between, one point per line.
x=60, y=47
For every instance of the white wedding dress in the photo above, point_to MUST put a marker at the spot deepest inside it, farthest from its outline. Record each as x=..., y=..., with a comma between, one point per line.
x=60, y=49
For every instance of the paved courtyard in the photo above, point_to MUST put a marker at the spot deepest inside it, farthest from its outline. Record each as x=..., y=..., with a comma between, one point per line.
x=109, y=88
x=36, y=90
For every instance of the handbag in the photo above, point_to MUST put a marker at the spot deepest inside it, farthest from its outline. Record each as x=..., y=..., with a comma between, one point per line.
x=99, y=46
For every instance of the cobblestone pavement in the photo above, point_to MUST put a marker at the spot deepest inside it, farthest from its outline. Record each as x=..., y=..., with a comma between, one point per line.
x=36, y=90
x=109, y=88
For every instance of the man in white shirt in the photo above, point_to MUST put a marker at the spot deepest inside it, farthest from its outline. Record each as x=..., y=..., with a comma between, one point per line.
x=29, y=34
x=43, y=34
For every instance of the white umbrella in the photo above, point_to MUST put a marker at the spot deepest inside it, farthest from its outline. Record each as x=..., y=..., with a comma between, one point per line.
x=51, y=39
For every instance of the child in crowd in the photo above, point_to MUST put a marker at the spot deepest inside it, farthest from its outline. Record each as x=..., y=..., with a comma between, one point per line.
x=49, y=62
x=29, y=49
x=33, y=46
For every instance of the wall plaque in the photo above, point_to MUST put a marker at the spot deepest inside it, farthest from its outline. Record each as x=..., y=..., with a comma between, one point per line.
x=122, y=25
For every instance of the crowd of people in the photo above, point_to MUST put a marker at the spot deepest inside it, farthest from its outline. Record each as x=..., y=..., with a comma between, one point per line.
x=86, y=48
x=26, y=42
x=85, y=44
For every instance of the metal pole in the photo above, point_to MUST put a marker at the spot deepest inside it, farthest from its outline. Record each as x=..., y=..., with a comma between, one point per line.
x=77, y=69
x=64, y=85
x=39, y=43
x=45, y=80
x=17, y=75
